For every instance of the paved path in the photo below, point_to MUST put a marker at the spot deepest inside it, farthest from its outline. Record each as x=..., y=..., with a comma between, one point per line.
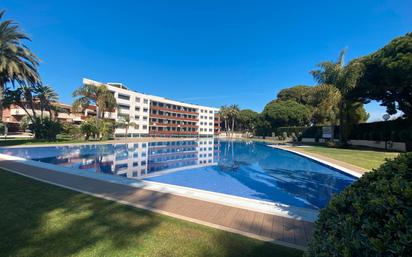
x=277, y=229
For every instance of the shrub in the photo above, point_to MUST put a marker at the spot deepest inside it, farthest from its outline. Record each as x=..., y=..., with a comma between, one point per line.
x=372, y=217
x=72, y=130
x=89, y=128
x=45, y=129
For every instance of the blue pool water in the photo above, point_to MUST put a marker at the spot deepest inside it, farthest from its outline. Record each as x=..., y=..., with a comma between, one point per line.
x=246, y=169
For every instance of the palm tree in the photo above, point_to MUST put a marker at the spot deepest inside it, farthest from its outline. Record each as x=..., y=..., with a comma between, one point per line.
x=234, y=111
x=125, y=123
x=17, y=63
x=46, y=96
x=224, y=114
x=344, y=78
x=99, y=96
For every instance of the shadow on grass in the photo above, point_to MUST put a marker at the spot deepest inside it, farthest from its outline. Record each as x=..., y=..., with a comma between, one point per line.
x=38, y=219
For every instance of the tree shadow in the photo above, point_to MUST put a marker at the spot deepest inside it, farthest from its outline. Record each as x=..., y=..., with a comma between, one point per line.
x=44, y=220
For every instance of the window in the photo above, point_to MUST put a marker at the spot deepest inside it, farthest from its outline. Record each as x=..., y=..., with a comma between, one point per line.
x=124, y=107
x=145, y=101
x=145, y=118
x=145, y=110
x=124, y=97
x=137, y=99
x=136, y=117
x=137, y=109
x=144, y=127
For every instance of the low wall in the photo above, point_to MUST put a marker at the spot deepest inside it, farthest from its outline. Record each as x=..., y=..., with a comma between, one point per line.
x=389, y=145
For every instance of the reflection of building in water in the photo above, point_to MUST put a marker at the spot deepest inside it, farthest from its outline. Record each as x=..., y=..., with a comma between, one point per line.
x=135, y=160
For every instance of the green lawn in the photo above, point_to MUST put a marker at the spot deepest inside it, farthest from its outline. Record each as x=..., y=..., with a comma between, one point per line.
x=364, y=158
x=39, y=219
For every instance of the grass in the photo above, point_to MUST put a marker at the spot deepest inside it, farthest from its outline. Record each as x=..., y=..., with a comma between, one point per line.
x=32, y=141
x=39, y=219
x=365, y=158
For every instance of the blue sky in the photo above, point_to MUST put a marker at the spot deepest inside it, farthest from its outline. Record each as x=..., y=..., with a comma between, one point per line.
x=204, y=52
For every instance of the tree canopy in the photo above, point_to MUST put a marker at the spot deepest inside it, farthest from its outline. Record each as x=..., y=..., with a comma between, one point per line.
x=387, y=76
x=286, y=113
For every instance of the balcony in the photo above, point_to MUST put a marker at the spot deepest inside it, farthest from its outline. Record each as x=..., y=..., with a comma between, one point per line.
x=173, y=125
x=172, y=117
x=154, y=107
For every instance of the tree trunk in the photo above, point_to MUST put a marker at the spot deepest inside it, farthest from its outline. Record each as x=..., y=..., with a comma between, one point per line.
x=233, y=125
x=342, y=123
x=2, y=87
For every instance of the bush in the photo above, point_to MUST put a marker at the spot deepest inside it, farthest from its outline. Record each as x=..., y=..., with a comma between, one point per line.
x=45, y=129
x=290, y=130
x=372, y=217
x=72, y=130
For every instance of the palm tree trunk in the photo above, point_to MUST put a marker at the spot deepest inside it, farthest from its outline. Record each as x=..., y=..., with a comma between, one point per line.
x=2, y=87
x=233, y=125
x=342, y=123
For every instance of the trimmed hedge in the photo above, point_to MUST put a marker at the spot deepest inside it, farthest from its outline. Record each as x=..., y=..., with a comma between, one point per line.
x=371, y=217
x=290, y=130
x=399, y=130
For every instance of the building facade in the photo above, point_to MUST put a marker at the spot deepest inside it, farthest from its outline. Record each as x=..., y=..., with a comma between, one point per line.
x=159, y=116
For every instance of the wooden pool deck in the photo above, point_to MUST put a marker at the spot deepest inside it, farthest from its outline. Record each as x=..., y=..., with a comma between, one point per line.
x=277, y=229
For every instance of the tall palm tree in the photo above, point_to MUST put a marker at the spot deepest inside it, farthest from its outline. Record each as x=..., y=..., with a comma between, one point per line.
x=224, y=114
x=47, y=97
x=344, y=78
x=125, y=123
x=17, y=63
x=99, y=96
x=234, y=112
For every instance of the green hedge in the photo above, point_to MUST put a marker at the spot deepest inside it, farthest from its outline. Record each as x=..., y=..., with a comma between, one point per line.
x=371, y=217
x=399, y=130
x=290, y=130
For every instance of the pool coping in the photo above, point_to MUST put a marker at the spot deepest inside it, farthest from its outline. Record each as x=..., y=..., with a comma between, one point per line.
x=351, y=172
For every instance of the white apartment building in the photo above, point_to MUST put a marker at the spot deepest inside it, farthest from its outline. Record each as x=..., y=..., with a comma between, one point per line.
x=159, y=116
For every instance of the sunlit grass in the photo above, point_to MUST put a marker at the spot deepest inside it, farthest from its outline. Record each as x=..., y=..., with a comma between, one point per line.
x=368, y=159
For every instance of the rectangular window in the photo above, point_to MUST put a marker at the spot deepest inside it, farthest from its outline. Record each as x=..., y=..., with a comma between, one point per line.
x=145, y=110
x=145, y=118
x=124, y=97
x=145, y=101
x=123, y=107
x=144, y=127
x=137, y=99
x=137, y=109
x=136, y=117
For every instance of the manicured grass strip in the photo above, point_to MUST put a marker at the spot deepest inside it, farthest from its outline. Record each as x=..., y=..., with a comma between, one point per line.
x=368, y=159
x=38, y=219
x=25, y=141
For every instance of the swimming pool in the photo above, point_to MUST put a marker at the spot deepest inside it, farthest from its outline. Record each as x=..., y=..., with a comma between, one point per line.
x=250, y=170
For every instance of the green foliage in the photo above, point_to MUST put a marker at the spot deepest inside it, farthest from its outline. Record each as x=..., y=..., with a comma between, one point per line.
x=281, y=113
x=399, y=130
x=100, y=96
x=106, y=129
x=387, y=76
x=45, y=128
x=300, y=94
x=2, y=128
x=89, y=128
x=248, y=120
x=291, y=130
x=72, y=130
x=372, y=217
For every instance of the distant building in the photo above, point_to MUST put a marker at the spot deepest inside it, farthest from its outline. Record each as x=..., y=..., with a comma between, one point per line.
x=13, y=115
x=159, y=116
